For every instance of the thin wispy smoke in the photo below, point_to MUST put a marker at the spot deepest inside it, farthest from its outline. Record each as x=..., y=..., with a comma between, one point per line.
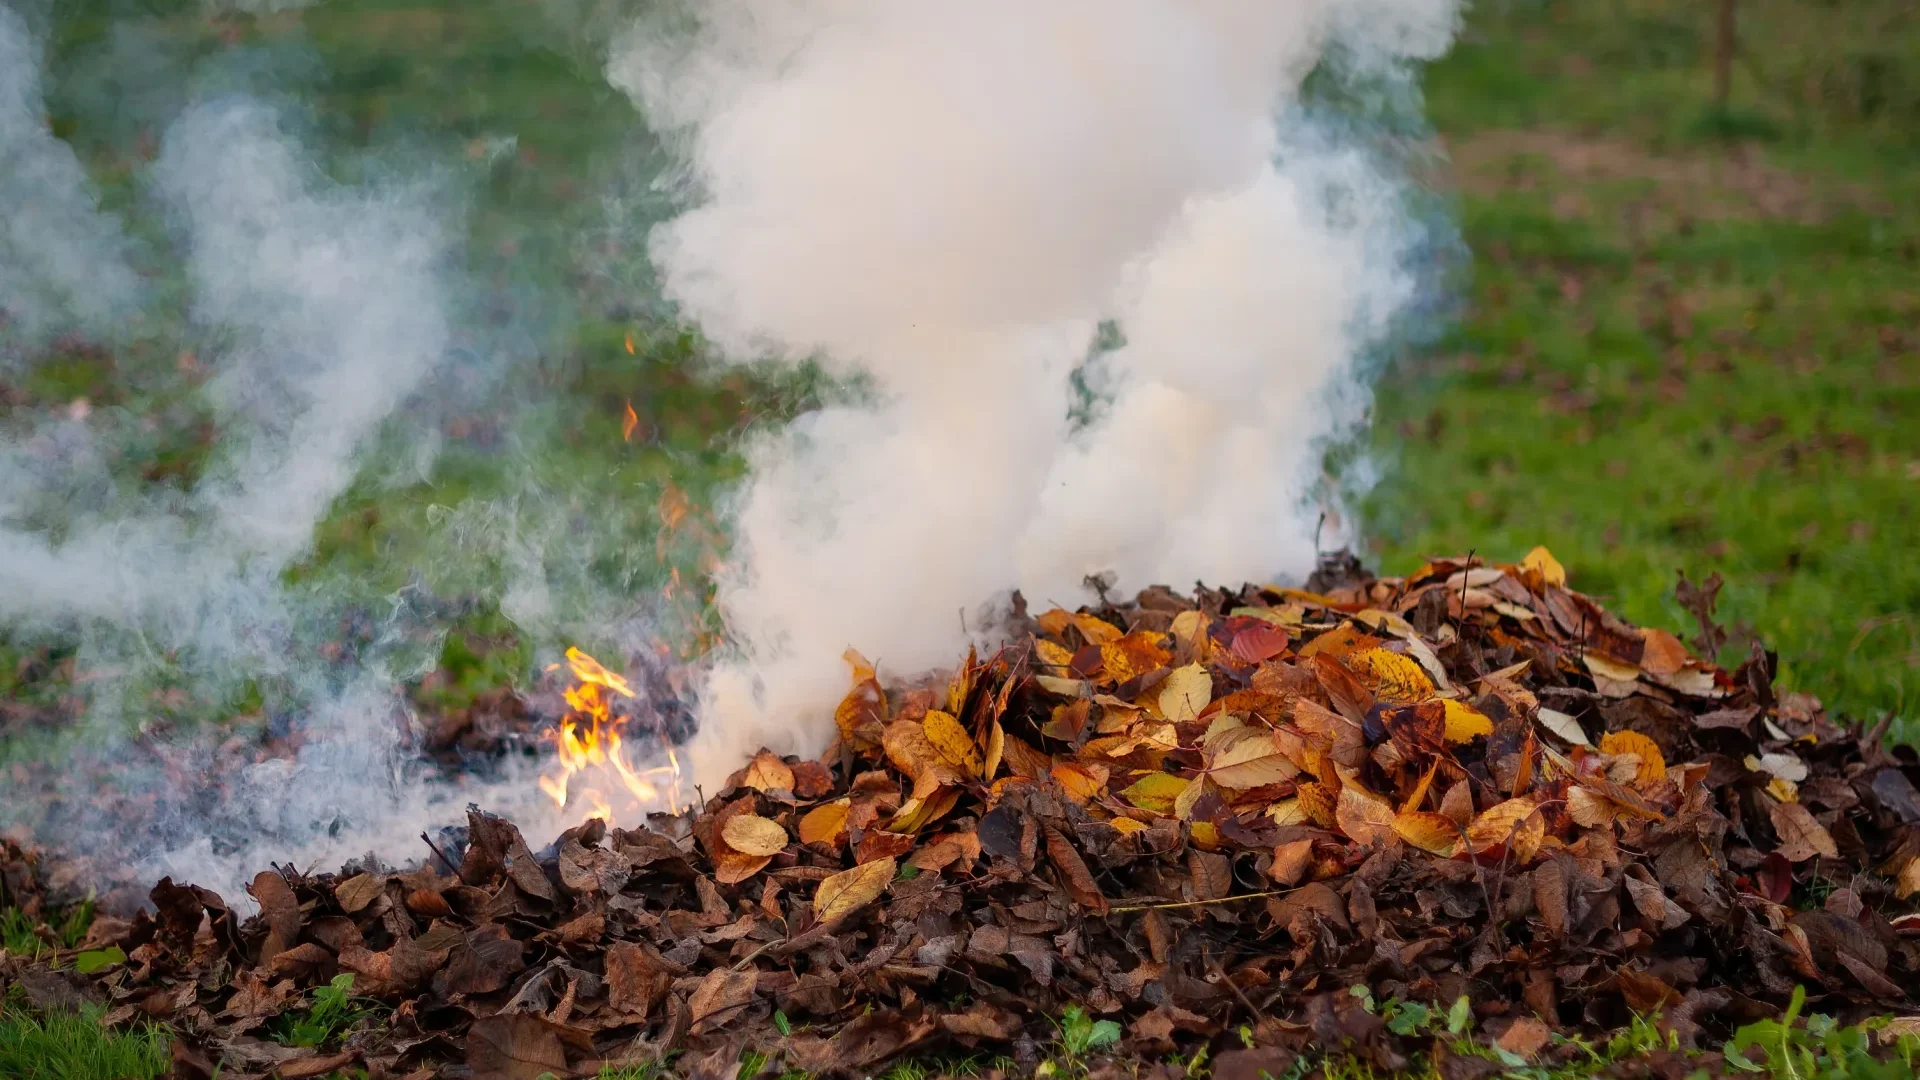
x=948, y=200
x=63, y=263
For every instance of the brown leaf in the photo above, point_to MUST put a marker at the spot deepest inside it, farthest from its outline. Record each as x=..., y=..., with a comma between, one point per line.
x=637, y=978
x=514, y=1046
x=850, y=890
x=751, y=834
x=1074, y=873
x=1493, y=827
x=1801, y=837
x=1290, y=862
x=1525, y=1037
x=280, y=910
x=304, y=1068
x=1663, y=654
x=721, y=997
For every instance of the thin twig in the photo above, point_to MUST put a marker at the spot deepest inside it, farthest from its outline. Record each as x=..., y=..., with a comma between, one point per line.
x=442, y=854
x=1195, y=903
x=755, y=954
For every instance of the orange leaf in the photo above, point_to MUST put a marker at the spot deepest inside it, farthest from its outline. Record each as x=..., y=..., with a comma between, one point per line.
x=825, y=824
x=1290, y=862
x=1135, y=654
x=733, y=867
x=1096, y=630
x=1420, y=789
x=1663, y=654
x=1055, y=657
x=1427, y=831
x=1082, y=782
x=850, y=890
x=1653, y=765
x=1318, y=802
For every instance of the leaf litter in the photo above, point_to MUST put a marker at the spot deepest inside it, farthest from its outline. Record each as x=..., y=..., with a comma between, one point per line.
x=1197, y=819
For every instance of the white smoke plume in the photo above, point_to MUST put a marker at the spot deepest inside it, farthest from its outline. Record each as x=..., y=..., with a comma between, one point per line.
x=63, y=264
x=948, y=199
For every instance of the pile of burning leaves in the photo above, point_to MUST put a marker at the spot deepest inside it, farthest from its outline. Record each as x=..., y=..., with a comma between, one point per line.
x=1203, y=818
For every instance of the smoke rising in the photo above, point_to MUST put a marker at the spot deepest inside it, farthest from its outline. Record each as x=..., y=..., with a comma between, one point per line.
x=946, y=201
x=63, y=264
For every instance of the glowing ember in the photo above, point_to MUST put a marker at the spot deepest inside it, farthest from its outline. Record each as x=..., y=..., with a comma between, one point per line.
x=628, y=423
x=592, y=756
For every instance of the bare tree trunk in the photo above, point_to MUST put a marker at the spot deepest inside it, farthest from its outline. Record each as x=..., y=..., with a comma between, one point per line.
x=1723, y=45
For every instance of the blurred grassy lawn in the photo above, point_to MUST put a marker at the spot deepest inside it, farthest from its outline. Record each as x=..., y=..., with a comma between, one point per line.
x=1689, y=340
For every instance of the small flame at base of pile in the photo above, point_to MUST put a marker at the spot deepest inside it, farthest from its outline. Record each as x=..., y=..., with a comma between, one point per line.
x=592, y=758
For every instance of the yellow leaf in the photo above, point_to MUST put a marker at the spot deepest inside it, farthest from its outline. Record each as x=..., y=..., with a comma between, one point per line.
x=996, y=746
x=1465, y=724
x=1205, y=834
x=1127, y=825
x=1186, y=693
x=1096, y=630
x=1288, y=812
x=1362, y=815
x=1907, y=881
x=850, y=890
x=1590, y=809
x=1190, y=634
x=825, y=824
x=1392, y=677
x=1155, y=791
x=1542, y=562
x=751, y=834
x=1183, y=806
x=911, y=751
x=1653, y=765
x=1317, y=800
x=1611, y=677
x=952, y=742
x=1528, y=837
x=918, y=813
x=1051, y=655
x=733, y=867
x=1427, y=831
x=1420, y=789
x=1493, y=827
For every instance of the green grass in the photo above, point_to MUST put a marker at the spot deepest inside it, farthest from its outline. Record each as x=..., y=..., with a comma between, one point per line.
x=1675, y=353
x=73, y=1046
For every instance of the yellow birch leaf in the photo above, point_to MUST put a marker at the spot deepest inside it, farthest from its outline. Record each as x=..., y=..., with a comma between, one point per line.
x=1134, y=654
x=1464, y=723
x=1288, y=812
x=996, y=746
x=825, y=824
x=952, y=742
x=1096, y=630
x=1155, y=792
x=1528, y=837
x=1127, y=825
x=850, y=890
x=1541, y=561
x=1317, y=800
x=1186, y=693
x=751, y=834
x=1205, y=834
x=1190, y=634
x=1420, y=789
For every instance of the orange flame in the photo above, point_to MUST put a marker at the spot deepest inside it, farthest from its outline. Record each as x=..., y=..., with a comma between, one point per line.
x=630, y=344
x=593, y=752
x=628, y=423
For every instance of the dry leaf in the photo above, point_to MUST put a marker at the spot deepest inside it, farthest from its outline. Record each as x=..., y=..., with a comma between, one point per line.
x=1186, y=693
x=1291, y=862
x=1457, y=804
x=721, y=997
x=952, y=742
x=751, y=834
x=1564, y=726
x=1464, y=724
x=1653, y=765
x=733, y=867
x=1133, y=655
x=1253, y=759
x=1363, y=816
x=850, y=890
x=996, y=747
x=1492, y=828
x=1081, y=781
x=1540, y=563
x=825, y=824
x=1155, y=792
x=1427, y=831
x=1588, y=809
x=1801, y=837
x=1392, y=677
x=1663, y=654
x=1074, y=873
x=768, y=773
